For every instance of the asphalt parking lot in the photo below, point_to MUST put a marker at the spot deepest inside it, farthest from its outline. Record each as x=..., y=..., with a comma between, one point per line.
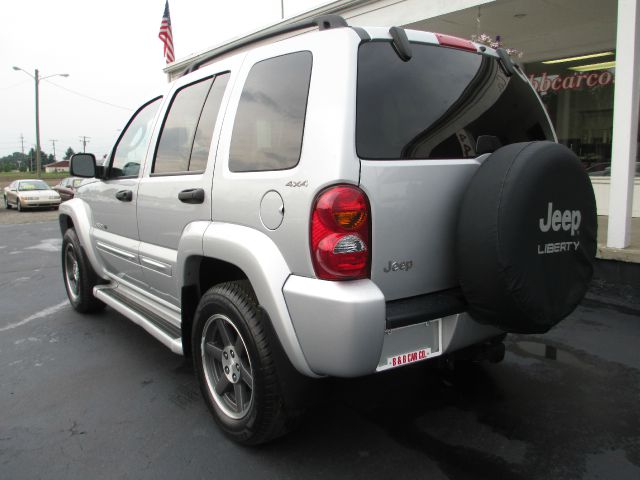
x=96, y=397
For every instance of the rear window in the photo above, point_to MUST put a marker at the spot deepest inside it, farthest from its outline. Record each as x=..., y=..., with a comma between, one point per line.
x=437, y=105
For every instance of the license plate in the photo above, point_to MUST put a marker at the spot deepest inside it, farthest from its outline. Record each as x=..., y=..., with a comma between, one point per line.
x=407, y=345
x=406, y=358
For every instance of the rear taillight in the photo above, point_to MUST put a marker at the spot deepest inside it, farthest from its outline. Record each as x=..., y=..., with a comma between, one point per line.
x=340, y=234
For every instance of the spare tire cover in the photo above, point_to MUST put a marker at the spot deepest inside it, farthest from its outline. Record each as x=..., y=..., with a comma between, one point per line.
x=526, y=237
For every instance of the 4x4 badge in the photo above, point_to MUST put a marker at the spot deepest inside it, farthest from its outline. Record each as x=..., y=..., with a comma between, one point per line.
x=302, y=183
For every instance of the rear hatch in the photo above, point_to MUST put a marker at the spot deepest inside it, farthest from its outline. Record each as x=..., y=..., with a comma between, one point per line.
x=418, y=127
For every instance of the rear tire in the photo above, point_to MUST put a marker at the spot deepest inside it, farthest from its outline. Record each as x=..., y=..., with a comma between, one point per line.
x=235, y=365
x=79, y=276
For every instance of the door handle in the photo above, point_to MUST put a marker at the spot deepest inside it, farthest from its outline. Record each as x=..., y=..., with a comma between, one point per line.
x=124, y=195
x=191, y=195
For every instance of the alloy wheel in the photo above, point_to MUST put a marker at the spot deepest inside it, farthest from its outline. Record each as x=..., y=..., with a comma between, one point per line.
x=227, y=366
x=71, y=272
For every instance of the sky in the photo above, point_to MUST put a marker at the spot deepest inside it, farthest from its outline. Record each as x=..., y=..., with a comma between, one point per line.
x=114, y=59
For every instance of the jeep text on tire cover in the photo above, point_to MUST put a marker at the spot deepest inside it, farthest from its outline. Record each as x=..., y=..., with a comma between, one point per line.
x=337, y=203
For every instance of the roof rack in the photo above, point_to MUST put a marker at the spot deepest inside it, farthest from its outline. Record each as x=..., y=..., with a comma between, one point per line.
x=324, y=22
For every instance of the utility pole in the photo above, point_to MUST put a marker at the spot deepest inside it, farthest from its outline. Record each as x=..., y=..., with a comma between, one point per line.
x=84, y=140
x=53, y=142
x=282, y=8
x=38, y=159
x=22, y=142
x=37, y=79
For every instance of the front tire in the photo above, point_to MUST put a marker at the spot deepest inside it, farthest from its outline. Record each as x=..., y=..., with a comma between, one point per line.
x=79, y=276
x=235, y=365
x=6, y=203
x=19, y=205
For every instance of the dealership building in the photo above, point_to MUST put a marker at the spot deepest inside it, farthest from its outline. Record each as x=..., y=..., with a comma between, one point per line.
x=582, y=58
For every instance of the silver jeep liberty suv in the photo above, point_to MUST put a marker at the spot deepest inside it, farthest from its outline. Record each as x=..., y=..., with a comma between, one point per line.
x=329, y=200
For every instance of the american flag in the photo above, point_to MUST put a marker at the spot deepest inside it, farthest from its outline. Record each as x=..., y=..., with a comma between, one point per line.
x=165, y=34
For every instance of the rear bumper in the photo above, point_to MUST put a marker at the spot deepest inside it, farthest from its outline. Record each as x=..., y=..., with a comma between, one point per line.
x=346, y=329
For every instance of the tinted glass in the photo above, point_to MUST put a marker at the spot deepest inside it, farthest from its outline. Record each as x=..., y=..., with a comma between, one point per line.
x=267, y=133
x=179, y=128
x=439, y=103
x=204, y=132
x=132, y=147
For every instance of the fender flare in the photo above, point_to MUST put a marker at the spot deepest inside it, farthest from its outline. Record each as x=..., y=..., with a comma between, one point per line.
x=80, y=213
x=259, y=258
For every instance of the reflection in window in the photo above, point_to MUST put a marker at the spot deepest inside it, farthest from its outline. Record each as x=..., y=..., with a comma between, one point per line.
x=438, y=104
x=204, y=132
x=179, y=128
x=267, y=133
x=185, y=139
x=132, y=147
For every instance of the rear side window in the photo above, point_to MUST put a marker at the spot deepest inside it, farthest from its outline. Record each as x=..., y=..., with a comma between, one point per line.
x=437, y=105
x=186, y=135
x=178, y=131
x=204, y=132
x=267, y=133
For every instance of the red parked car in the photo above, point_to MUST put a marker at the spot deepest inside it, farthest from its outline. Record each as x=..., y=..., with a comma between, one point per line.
x=67, y=187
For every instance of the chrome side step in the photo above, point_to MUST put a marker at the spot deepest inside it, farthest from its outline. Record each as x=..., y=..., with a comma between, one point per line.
x=164, y=330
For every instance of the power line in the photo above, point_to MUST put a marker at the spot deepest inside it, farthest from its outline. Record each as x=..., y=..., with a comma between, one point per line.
x=14, y=85
x=89, y=97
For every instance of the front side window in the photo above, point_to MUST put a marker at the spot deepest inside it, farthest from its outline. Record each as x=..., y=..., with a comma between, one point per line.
x=132, y=146
x=267, y=133
x=439, y=104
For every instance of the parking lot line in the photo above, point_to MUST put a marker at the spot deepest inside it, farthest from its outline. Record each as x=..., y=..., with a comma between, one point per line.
x=41, y=314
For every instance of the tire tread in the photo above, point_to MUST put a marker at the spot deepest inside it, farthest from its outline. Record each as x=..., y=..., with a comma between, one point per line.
x=275, y=419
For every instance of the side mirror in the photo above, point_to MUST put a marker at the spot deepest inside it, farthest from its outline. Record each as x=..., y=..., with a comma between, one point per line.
x=83, y=165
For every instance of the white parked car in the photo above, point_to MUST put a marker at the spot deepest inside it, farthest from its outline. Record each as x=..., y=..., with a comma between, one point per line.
x=30, y=194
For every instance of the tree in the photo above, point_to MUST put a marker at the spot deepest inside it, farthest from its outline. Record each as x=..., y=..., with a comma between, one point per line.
x=12, y=162
x=68, y=154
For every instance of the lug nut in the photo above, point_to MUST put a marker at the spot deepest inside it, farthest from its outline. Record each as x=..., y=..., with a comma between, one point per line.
x=234, y=377
x=237, y=366
x=233, y=354
x=226, y=369
x=225, y=355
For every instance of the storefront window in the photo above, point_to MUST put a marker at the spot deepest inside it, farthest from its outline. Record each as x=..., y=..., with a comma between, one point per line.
x=578, y=95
